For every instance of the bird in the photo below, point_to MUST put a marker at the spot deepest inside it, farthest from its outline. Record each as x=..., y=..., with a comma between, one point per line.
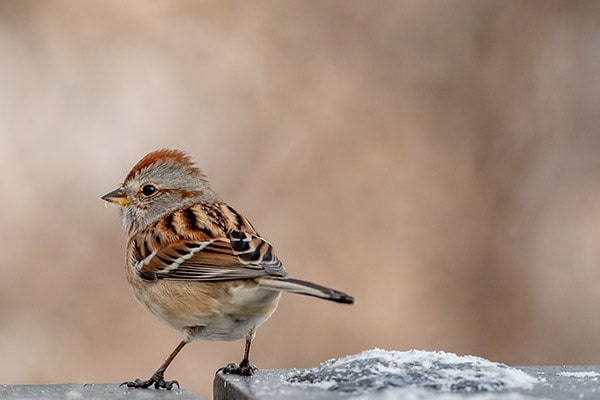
x=196, y=263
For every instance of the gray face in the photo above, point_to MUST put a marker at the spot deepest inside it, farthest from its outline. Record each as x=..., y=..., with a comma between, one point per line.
x=160, y=188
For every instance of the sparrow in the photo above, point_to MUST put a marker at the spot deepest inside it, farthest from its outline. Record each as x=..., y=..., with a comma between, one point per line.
x=196, y=263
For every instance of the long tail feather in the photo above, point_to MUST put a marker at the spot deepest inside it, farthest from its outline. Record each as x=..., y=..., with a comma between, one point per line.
x=306, y=288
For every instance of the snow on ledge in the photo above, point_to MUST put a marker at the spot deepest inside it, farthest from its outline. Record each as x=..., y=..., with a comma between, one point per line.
x=438, y=371
x=580, y=375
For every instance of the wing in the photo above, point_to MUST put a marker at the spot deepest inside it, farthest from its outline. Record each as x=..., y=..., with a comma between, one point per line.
x=240, y=255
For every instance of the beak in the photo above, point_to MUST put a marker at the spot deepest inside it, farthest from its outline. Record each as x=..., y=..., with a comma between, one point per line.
x=117, y=196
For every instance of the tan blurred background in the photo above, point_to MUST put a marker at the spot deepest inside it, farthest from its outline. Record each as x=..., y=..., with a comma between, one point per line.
x=438, y=160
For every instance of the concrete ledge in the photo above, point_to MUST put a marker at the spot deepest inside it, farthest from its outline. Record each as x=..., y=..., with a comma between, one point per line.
x=556, y=383
x=94, y=391
x=268, y=384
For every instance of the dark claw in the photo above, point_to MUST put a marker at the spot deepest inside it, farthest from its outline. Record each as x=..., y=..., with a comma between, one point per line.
x=158, y=382
x=244, y=369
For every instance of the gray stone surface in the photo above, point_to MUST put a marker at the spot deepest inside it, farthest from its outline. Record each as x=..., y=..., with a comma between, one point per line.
x=93, y=391
x=556, y=383
x=566, y=382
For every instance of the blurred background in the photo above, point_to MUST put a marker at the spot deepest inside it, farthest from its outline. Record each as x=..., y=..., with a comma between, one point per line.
x=438, y=160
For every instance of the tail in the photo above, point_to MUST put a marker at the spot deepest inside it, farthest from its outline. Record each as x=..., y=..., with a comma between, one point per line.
x=306, y=288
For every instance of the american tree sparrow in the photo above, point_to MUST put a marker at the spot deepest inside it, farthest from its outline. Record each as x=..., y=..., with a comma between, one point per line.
x=196, y=263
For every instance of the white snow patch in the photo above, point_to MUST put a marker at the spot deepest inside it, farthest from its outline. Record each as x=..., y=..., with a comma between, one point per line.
x=423, y=394
x=380, y=374
x=581, y=375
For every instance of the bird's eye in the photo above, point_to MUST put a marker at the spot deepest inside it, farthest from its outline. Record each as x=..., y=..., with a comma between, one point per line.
x=148, y=190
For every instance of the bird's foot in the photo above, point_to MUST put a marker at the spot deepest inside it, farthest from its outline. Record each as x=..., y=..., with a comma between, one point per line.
x=244, y=369
x=158, y=380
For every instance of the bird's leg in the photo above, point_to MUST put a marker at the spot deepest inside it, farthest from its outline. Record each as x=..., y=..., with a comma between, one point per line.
x=158, y=378
x=245, y=368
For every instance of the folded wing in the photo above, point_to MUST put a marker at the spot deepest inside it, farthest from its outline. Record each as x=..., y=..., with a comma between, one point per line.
x=241, y=255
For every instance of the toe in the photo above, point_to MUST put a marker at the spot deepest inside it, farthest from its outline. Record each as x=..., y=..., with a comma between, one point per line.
x=169, y=384
x=138, y=383
x=248, y=370
x=244, y=369
x=231, y=368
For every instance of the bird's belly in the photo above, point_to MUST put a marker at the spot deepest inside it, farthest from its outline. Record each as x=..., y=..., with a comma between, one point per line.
x=228, y=328
x=246, y=309
x=216, y=311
